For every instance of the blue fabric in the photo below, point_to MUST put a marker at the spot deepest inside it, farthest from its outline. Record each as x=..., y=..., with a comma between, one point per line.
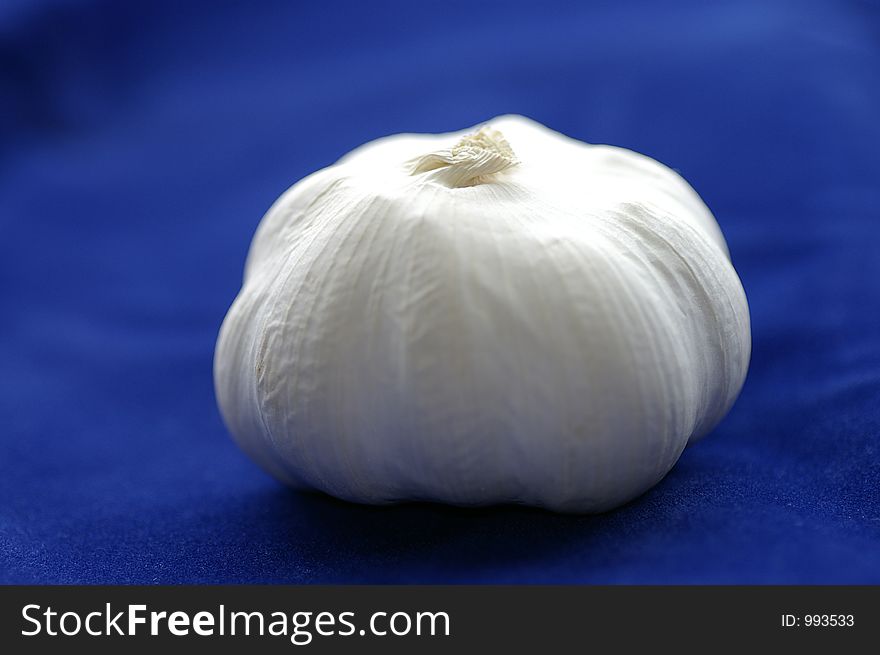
x=141, y=144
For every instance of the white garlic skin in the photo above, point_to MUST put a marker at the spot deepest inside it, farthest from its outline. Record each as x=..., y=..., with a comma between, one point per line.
x=553, y=333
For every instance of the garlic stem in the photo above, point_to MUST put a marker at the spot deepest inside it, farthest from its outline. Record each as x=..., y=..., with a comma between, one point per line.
x=469, y=161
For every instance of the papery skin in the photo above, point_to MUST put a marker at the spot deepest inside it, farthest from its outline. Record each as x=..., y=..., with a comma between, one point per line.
x=553, y=334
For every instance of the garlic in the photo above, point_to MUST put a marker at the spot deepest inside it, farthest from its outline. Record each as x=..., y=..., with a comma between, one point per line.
x=492, y=316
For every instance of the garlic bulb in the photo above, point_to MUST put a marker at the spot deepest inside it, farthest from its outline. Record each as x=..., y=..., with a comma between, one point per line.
x=491, y=316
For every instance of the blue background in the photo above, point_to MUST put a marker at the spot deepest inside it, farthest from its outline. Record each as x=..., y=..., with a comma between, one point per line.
x=140, y=145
